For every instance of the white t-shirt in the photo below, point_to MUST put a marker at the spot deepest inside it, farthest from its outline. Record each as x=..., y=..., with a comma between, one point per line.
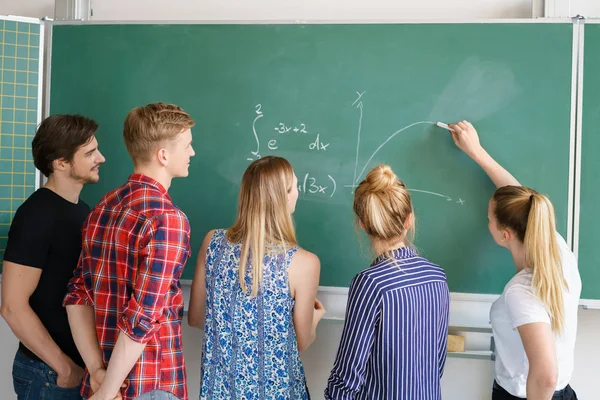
x=519, y=306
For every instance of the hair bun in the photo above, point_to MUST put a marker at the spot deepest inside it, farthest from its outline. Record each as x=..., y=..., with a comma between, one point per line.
x=381, y=178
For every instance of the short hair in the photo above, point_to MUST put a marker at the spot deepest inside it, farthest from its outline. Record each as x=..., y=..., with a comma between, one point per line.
x=59, y=137
x=146, y=127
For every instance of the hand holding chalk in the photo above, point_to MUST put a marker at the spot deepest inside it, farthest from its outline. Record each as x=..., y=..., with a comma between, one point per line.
x=465, y=137
x=443, y=125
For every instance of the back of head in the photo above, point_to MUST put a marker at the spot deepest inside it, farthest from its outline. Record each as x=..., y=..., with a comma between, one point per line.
x=383, y=205
x=530, y=215
x=147, y=127
x=59, y=137
x=263, y=216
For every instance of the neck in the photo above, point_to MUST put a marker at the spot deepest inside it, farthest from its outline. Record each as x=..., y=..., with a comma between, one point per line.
x=382, y=246
x=517, y=250
x=159, y=174
x=65, y=187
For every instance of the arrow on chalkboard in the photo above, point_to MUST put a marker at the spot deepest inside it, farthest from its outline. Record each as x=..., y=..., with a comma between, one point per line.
x=360, y=118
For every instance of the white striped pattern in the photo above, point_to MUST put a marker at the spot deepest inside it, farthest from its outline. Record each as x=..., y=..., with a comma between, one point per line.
x=393, y=345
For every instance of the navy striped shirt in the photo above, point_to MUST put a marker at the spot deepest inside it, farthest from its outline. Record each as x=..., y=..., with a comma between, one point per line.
x=394, y=339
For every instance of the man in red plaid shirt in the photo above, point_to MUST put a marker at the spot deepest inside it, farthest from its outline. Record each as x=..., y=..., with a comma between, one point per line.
x=124, y=302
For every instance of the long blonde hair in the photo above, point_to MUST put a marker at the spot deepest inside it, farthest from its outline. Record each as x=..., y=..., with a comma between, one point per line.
x=263, y=220
x=530, y=215
x=383, y=205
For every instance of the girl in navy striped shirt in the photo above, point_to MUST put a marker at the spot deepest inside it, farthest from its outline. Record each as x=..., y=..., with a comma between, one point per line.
x=394, y=339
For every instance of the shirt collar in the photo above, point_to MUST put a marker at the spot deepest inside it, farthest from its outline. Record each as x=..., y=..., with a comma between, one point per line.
x=141, y=178
x=399, y=254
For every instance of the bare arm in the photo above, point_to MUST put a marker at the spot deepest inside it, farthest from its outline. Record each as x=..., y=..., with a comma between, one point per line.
x=83, y=328
x=466, y=138
x=197, y=306
x=538, y=342
x=18, y=284
x=124, y=356
x=304, y=282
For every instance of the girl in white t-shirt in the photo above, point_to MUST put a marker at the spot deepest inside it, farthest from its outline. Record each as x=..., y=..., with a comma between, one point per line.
x=534, y=321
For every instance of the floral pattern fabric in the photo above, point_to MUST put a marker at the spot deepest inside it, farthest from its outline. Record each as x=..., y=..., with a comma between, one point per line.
x=250, y=349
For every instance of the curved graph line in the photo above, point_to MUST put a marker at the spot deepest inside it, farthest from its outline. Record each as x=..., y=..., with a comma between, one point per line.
x=387, y=140
x=432, y=193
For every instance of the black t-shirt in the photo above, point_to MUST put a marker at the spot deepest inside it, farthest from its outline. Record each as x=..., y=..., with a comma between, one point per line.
x=46, y=234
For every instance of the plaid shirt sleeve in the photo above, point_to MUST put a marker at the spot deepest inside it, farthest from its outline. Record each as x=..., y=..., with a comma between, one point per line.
x=164, y=248
x=77, y=294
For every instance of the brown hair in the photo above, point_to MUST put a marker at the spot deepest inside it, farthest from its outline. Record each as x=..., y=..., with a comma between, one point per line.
x=263, y=219
x=59, y=137
x=530, y=215
x=148, y=126
x=383, y=205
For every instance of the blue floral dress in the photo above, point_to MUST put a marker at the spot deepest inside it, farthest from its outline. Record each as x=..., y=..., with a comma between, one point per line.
x=249, y=349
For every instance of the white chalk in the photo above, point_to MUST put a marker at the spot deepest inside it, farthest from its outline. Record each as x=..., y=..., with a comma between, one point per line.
x=443, y=125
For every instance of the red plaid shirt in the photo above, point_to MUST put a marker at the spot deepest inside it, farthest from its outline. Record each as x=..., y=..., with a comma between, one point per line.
x=135, y=245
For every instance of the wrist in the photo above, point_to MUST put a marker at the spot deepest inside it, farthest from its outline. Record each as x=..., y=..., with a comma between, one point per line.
x=63, y=366
x=480, y=156
x=95, y=367
x=106, y=392
x=101, y=394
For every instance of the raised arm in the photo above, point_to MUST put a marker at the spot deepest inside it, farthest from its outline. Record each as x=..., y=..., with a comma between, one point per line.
x=466, y=138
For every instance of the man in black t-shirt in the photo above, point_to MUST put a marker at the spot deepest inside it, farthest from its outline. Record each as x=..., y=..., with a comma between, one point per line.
x=44, y=243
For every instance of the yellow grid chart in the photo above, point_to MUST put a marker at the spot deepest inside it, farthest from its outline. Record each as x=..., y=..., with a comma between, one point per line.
x=19, y=68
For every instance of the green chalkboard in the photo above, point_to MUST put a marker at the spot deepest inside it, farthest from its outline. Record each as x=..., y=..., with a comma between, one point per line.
x=336, y=100
x=589, y=239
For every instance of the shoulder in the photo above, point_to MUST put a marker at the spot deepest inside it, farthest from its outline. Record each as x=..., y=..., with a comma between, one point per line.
x=307, y=257
x=305, y=263
x=365, y=279
x=211, y=237
x=522, y=304
x=427, y=265
x=36, y=208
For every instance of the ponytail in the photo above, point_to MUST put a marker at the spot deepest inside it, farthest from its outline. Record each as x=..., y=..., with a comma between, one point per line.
x=530, y=215
x=543, y=256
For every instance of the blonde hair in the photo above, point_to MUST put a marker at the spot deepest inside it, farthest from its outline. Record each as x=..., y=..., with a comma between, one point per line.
x=148, y=126
x=383, y=205
x=263, y=220
x=530, y=215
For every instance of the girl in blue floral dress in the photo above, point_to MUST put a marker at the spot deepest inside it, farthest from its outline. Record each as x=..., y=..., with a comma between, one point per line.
x=256, y=316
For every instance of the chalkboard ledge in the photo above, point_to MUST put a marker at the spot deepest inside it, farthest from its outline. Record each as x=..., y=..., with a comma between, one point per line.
x=466, y=309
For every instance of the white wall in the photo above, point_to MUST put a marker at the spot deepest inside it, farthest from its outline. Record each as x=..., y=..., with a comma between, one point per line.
x=306, y=9
x=463, y=379
x=282, y=9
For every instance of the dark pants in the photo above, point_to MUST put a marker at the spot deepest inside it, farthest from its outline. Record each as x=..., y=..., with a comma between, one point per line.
x=35, y=380
x=498, y=393
x=157, y=395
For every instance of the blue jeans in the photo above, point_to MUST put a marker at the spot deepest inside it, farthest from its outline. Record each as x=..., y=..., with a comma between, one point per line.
x=35, y=380
x=157, y=395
